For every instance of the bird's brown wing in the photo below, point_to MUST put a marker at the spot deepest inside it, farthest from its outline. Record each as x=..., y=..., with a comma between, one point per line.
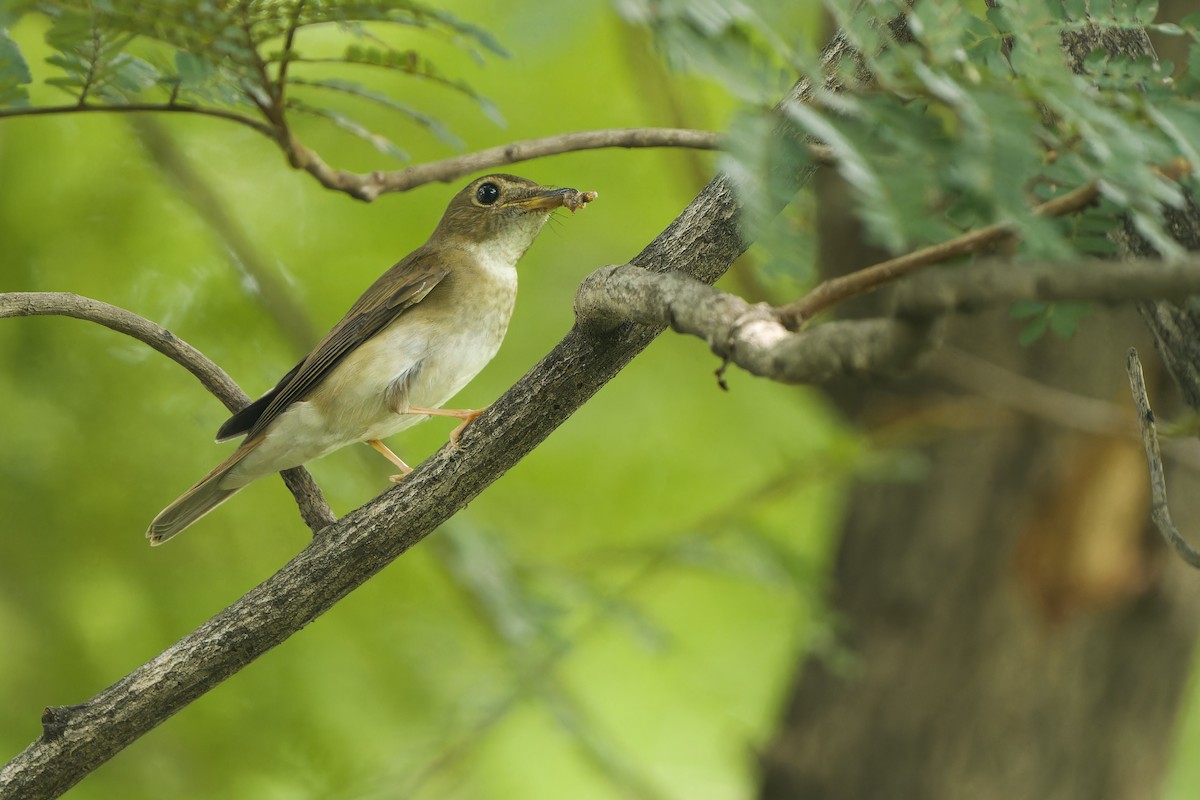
x=398, y=290
x=241, y=422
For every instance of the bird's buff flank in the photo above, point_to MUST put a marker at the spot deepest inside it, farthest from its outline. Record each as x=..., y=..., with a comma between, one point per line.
x=416, y=337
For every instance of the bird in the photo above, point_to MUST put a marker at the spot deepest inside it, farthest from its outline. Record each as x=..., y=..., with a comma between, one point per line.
x=415, y=337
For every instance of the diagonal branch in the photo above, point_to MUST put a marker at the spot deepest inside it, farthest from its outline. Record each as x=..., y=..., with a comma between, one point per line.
x=77, y=739
x=836, y=290
x=1160, y=512
x=313, y=508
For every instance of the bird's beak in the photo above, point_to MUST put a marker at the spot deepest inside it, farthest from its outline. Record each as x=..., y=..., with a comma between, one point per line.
x=546, y=200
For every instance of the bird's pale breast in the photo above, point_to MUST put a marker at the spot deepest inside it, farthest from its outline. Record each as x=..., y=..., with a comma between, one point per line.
x=438, y=345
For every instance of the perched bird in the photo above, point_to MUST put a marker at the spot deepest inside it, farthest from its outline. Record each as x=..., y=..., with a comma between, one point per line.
x=416, y=337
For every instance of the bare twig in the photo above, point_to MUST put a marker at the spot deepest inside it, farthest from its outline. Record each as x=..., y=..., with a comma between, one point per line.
x=1027, y=396
x=65, y=304
x=863, y=281
x=313, y=508
x=1159, y=510
x=286, y=55
x=835, y=290
x=1013, y=391
x=141, y=108
x=1000, y=282
x=368, y=186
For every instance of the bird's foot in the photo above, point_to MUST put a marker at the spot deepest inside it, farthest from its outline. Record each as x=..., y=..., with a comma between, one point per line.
x=467, y=415
x=385, y=451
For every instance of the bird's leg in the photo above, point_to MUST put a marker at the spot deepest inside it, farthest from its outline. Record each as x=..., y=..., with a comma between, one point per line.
x=386, y=452
x=467, y=415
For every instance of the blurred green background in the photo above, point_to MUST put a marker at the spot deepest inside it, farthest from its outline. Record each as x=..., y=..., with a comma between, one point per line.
x=616, y=617
x=619, y=616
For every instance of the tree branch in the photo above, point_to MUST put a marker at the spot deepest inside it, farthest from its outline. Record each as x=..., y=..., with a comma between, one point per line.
x=1160, y=512
x=368, y=186
x=750, y=336
x=836, y=290
x=756, y=338
x=999, y=282
x=349, y=552
x=142, y=108
x=313, y=509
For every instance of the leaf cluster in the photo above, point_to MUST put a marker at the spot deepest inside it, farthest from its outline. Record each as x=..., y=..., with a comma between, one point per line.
x=961, y=119
x=243, y=58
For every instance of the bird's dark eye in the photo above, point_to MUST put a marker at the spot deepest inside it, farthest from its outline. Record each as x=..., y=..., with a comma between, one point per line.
x=487, y=194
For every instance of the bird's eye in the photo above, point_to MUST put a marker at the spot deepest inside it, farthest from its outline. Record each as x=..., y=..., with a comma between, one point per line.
x=487, y=194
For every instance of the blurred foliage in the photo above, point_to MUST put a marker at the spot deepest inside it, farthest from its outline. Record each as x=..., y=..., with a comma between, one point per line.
x=973, y=121
x=617, y=617
x=620, y=615
x=236, y=56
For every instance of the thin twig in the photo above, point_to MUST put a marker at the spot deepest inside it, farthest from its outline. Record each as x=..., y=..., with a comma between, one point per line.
x=1159, y=510
x=998, y=282
x=1027, y=396
x=285, y=57
x=142, y=108
x=368, y=186
x=313, y=508
x=1075, y=412
x=836, y=290
x=868, y=279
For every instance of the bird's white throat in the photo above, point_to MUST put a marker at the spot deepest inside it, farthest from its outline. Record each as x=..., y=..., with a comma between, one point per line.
x=499, y=255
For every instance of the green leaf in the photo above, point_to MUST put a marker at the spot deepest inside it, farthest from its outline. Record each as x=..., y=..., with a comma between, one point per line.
x=1023, y=309
x=407, y=62
x=380, y=143
x=855, y=164
x=1167, y=29
x=1065, y=318
x=14, y=73
x=1034, y=330
x=1143, y=10
x=762, y=165
x=71, y=32
x=199, y=80
x=433, y=125
x=126, y=76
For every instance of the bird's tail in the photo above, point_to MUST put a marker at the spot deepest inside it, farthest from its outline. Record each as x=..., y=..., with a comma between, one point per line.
x=196, y=501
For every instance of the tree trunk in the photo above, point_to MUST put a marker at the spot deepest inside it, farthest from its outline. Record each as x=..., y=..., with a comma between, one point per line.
x=1011, y=624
